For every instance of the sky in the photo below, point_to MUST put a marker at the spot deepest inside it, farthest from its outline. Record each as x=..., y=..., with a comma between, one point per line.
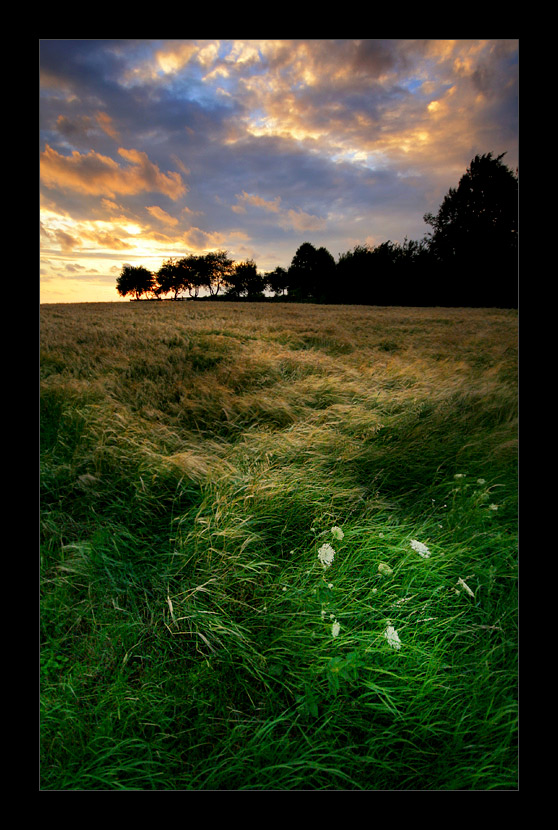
x=152, y=149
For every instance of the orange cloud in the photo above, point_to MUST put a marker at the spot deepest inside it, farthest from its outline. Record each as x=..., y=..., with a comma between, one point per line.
x=95, y=174
x=105, y=239
x=66, y=241
x=252, y=199
x=297, y=219
x=162, y=215
x=202, y=240
x=301, y=221
x=105, y=123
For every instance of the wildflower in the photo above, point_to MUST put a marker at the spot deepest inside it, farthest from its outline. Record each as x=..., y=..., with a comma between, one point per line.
x=384, y=569
x=392, y=636
x=421, y=549
x=337, y=533
x=481, y=481
x=459, y=475
x=330, y=584
x=325, y=555
x=335, y=629
x=493, y=507
x=465, y=587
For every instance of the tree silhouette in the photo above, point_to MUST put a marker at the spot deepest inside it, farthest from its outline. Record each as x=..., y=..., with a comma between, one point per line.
x=171, y=276
x=244, y=281
x=277, y=280
x=134, y=279
x=469, y=259
x=311, y=274
x=355, y=275
x=474, y=235
x=212, y=270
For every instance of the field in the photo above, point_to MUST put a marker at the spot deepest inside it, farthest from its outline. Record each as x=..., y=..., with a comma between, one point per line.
x=201, y=463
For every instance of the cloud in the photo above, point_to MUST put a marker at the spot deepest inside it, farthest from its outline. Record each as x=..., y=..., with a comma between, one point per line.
x=252, y=199
x=96, y=174
x=297, y=219
x=66, y=241
x=162, y=216
x=301, y=221
x=199, y=240
x=106, y=123
x=332, y=141
x=105, y=239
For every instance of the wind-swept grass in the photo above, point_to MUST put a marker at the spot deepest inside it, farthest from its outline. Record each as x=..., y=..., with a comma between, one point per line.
x=196, y=458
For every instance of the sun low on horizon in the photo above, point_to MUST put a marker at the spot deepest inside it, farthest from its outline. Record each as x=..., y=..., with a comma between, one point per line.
x=151, y=149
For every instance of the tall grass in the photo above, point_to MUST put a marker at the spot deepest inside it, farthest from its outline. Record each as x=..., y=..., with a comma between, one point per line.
x=194, y=460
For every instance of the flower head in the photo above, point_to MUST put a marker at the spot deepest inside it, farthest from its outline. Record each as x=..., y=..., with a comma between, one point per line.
x=384, y=569
x=337, y=533
x=421, y=549
x=465, y=587
x=392, y=637
x=325, y=555
x=335, y=629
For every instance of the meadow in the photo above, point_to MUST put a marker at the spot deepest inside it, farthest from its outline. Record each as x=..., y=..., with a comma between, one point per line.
x=278, y=547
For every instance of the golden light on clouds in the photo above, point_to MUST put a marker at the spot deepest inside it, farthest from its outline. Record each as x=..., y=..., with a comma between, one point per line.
x=151, y=149
x=162, y=216
x=96, y=174
x=106, y=123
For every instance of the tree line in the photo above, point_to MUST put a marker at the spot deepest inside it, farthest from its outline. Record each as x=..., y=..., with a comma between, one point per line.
x=468, y=258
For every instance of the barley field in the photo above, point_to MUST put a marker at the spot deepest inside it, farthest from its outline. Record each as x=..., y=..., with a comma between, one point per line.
x=278, y=547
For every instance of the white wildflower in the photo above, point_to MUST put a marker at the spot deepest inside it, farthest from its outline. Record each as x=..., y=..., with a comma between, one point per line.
x=335, y=629
x=392, y=637
x=325, y=555
x=481, y=481
x=493, y=507
x=337, y=533
x=459, y=475
x=465, y=587
x=384, y=569
x=330, y=584
x=421, y=549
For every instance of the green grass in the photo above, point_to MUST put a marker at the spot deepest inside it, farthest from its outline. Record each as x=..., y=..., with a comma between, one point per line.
x=194, y=458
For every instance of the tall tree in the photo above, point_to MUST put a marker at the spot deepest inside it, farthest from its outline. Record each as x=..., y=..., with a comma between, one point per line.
x=311, y=274
x=277, y=280
x=213, y=270
x=474, y=235
x=171, y=276
x=191, y=276
x=244, y=281
x=134, y=279
x=354, y=275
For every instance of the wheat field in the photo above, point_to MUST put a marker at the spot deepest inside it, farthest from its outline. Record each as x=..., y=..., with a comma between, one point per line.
x=278, y=547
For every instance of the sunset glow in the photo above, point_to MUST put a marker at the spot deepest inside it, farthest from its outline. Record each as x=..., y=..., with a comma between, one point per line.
x=155, y=149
